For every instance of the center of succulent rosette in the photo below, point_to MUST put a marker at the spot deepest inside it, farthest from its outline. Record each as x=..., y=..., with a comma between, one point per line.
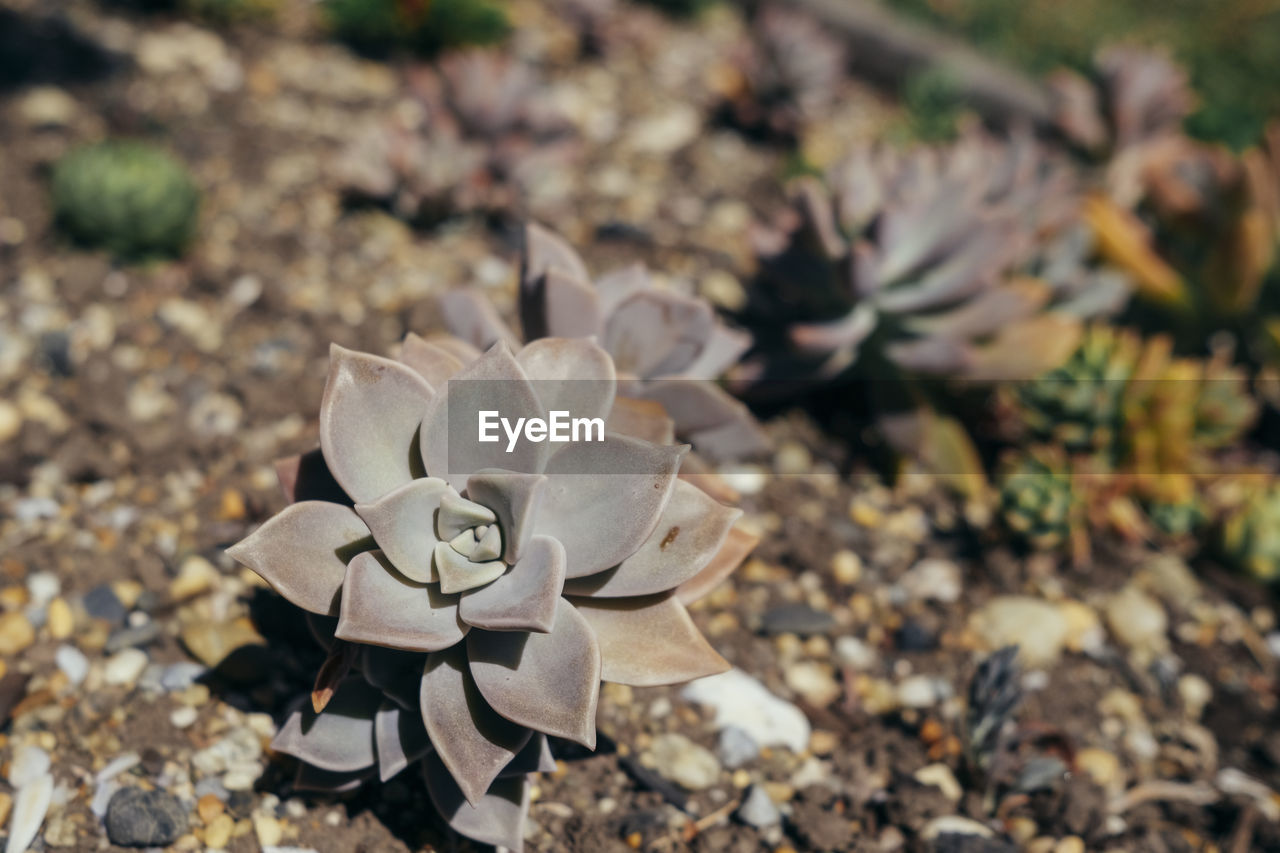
x=469, y=552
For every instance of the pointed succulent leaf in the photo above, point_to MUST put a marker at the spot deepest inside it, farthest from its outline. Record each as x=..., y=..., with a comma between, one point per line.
x=704, y=408
x=458, y=574
x=403, y=525
x=690, y=532
x=303, y=551
x=371, y=455
x=723, y=349
x=490, y=545
x=400, y=739
x=648, y=641
x=1027, y=349
x=737, y=545
x=547, y=682
x=470, y=739
x=572, y=375
x=582, y=501
x=432, y=362
x=382, y=607
x=469, y=392
x=964, y=274
x=340, y=738
x=561, y=305
x=739, y=437
x=472, y=317
x=657, y=333
x=911, y=234
x=986, y=313
x=536, y=757
x=496, y=817
x=514, y=499
x=556, y=295
x=524, y=599
x=544, y=249
x=845, y=333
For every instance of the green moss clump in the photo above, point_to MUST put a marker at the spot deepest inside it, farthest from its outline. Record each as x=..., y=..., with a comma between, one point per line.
x=130, y=198
x=420, y=26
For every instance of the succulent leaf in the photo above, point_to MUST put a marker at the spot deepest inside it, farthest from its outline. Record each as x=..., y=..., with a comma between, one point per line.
x=469, y=737
x=648, y=641
x=549, y=682
x=366, y=455
x=303, y=552
x=382, y=607
x=397, y=522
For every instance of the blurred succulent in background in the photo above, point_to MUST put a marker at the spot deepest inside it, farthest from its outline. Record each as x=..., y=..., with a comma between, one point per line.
x=1250, y=535
x=668, y=347
x=1140, y=430
x=133, y=199
x=1137, y=96
x=477, y=132
x=1078, y=406
x=421, y=26
x=1038, y=502
x=785, y=75
x=480, y=596
x=924, y=257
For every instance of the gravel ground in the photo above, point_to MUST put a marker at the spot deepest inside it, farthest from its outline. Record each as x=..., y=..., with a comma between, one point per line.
x=143, y=672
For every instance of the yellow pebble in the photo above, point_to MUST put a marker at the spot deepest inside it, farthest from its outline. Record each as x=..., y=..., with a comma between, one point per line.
x=218, y=833
x=61, y=621
x=741, y=778
x=209, y=807
x=846, y=566
x=269, y=831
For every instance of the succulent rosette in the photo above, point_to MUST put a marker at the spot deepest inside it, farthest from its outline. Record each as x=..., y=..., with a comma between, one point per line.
x=473, y=598
x=668, y=347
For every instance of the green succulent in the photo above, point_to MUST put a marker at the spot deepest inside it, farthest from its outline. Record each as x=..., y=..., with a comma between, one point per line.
x=1177, y=518
x=130, y=198
x=421, y=26
x=1037, y=502
x=1078, y=405
x=1251, y=535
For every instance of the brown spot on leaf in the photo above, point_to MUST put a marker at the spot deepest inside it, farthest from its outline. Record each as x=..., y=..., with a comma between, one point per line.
x=669, y=538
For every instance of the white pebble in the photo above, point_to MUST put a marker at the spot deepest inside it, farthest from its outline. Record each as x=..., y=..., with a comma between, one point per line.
x=29, y=763
x=43, y=588
x=73, y=663
x=116, y=766
x=183, y=717
x=124, y=667
x=742, y=701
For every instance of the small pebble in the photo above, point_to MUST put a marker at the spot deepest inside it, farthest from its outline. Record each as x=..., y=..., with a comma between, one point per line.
x=29, y=763
x=1037, y=627
x=43, y=587
x=814, y=681
x=1138, y=621
x=59, y=618
x=183, y=717
x=855, y=653
x=128, y=638
x=736, y=747
x=218, y=833
x=796, y=619
x=101, y=602
x=757, y=809
x=16, y=633
x=1196, y=693
x=684, y=762
x=123, y=668
x=138, y=818
x=941, y=777
x=934, y=579
x=741, y=700
x=954, y=825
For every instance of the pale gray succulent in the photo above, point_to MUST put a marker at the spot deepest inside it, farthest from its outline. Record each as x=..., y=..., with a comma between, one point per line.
x=668, y=347
x=1138, y=95
x=942, y=259
x=473, y=598
x=788, y=74
x=483, y=136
